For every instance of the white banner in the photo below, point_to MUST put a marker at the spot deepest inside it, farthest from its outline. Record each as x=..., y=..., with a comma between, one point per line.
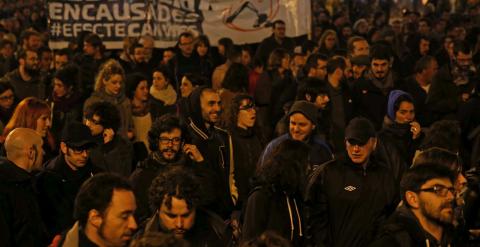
x=244, y=21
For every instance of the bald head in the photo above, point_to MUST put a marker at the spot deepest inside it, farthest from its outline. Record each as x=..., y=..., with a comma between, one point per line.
x=24, y=148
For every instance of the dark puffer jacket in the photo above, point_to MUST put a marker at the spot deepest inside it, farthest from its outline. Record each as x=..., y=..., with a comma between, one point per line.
x=20, y=221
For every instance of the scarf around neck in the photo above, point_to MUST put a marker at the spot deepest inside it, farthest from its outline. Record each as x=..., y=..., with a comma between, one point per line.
x=167, y=95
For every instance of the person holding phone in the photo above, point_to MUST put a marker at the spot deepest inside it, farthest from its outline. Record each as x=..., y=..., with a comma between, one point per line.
x=167, y=141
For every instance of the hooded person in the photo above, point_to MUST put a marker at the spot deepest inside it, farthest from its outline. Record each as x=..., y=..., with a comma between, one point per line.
x=302, y=119
x=400, y=130
x=215, y=145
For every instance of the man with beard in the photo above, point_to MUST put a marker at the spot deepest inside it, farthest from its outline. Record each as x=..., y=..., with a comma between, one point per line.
x=176, y=198
x=453, y=84
x=347, y=199
x=20, y=220
x=425, y=216
x=58, y=184
x=31, y=40
x=26, y=80
x=104, y=209
x=341, y=105
x=214, y=145
x=370, y=93
x=137, y=64
x=166, y=139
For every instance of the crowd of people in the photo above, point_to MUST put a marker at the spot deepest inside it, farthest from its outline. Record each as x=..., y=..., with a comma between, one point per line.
x=367, y=133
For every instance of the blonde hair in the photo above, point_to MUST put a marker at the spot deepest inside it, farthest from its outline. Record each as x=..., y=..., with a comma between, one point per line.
x=107, y=70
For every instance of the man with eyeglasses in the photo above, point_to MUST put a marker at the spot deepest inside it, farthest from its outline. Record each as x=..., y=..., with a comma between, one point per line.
x=166, y=139
x=424, y=218
x=348, y=199
x=58, y=184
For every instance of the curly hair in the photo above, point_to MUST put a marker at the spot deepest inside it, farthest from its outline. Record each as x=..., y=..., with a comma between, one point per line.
x=178, y=182
x=236, y=78
x=107, y=70
x=164, y=123
x=159, y=239
x=108, y=113
x=286, y=167
x=232, y=111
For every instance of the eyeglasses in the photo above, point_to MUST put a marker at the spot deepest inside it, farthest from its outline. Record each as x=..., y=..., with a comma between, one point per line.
x=247, y=107
x=80, y=151
x=7, y=97
x=175, y=140
x=440, y=190
x=96, y=122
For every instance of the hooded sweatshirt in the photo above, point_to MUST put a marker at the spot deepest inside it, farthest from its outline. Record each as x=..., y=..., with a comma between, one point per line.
x=215, y=146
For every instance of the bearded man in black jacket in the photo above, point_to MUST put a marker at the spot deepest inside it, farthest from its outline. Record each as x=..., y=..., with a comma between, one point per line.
x=425, y=216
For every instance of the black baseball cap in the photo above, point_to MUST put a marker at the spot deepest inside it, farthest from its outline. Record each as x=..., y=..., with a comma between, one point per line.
x=359, y=130
x=77, y=135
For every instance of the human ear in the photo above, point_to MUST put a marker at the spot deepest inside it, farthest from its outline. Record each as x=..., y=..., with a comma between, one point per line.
x=95, y=218
x=411, y=198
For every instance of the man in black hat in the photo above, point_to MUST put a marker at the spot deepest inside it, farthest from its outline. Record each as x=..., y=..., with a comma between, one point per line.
x=347, y=200
x=58, y=184
x=302, y=126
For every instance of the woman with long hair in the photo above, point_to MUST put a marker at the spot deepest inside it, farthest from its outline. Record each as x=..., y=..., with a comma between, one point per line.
x=276, y=202
x=328, y=43
x=35, y=114
x=203, y=50
x=109, y=87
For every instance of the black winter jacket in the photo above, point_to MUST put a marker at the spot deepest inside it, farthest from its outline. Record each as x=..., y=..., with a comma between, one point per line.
x=347, y=203
x=57, y=187
x=214, y=145
x=20, y=221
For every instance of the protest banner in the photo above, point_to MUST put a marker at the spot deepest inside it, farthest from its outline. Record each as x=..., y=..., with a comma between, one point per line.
x=243, y=21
